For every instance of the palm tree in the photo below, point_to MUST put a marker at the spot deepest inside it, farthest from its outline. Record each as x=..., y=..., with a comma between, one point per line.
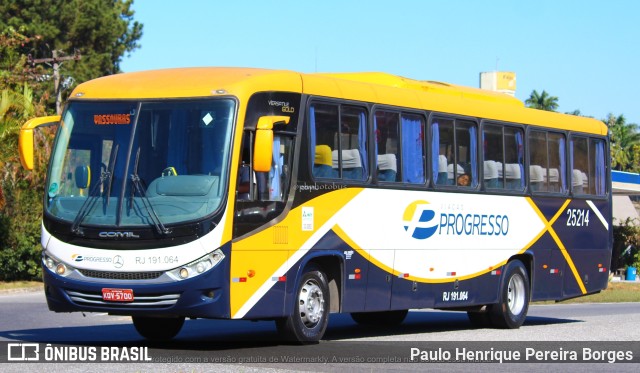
x=542, y=101
x=625, y=138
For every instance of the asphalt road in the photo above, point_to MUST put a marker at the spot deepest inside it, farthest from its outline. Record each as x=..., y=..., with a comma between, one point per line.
x=25, y=318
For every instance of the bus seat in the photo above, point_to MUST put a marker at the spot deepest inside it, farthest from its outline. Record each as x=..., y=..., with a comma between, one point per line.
x=513, y=175
x=554, y=180
x=490, y=174
x=576, y=182
x=442, y=170
x=536, y=177
x=459, y=171
x=351, y=163
x=322, y=162
x=387, y=167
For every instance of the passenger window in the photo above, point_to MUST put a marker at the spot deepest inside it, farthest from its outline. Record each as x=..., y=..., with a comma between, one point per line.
x=598, y=167
x=400, y=147
x=503, y=162
x=454, y=152
x=580, y=165
x=547, y=168
x=387, y=128
x=339, y=141
x=588, y=166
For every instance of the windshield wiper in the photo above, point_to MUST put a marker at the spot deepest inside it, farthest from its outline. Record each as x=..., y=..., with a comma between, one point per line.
x=105, y=176
x=137, y=187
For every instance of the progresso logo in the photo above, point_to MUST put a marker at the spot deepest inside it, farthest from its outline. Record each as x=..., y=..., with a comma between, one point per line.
x=419, y=220
x=422, y=221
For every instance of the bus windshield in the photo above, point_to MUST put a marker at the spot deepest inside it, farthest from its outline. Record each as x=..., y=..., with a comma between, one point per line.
x=130, y=163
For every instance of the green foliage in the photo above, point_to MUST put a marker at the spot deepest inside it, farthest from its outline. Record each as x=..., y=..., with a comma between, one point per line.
x=625, y=143
x=102, y=31
x=542, y=101
x=626, y=235
x=19, y=235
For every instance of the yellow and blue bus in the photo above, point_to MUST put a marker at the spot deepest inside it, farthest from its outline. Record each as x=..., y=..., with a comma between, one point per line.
x=236, y=193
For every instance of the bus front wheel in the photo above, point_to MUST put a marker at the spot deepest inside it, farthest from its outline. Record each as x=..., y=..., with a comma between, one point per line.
x=158, y=328
x=512, y=309
x=310, y=316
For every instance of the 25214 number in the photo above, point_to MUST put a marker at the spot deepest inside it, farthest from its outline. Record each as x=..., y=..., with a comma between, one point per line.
x=577, y=217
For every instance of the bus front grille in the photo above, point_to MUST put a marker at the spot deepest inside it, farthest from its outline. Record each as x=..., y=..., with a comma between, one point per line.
x=139, y=301
x=121, y=275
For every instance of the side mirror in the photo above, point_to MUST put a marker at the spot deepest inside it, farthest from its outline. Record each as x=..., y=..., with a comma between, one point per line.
x=25, y=140
x=83, y=177
x=263, y=147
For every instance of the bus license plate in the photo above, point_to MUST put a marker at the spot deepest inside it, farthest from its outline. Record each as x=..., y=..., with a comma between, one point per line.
x=117, y=295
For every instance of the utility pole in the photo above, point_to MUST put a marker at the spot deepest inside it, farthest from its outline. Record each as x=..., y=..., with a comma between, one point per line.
x=56, y=61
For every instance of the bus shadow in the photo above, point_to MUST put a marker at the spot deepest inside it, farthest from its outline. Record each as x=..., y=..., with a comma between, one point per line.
x=419, y=322
x=236, y=334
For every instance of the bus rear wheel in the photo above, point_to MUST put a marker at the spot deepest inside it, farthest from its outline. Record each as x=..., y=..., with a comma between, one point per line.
x=310, y=316
x=158, y=328
x=383, y=318
x=512, y=309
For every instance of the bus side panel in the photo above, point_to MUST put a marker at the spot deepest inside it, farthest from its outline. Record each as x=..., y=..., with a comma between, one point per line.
x=270, y=305
x=352, y=272
x=548, y=269
x=253, y=269
x=583, y=230
x=475, y=291
x=379, y=284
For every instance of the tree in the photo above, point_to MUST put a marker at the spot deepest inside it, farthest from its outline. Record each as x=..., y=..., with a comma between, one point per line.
x=625, y=143
x=542, y=101
x=20, y=191
x=102, y=31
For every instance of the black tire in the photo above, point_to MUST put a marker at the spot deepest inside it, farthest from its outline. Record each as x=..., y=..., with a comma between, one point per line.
x=479, y=319
x=157, y=328
x=382, y=318
x=310, y=315
x=511, y=311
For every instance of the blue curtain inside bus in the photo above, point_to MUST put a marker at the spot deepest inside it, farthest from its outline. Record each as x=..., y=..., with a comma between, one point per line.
x=520, y=145
x=600, y=168
x=474, y=156
x=563, y=165
x=435, y=151
x=412, y=156
x=276, y=171
x=362, y=143
x=571, y=159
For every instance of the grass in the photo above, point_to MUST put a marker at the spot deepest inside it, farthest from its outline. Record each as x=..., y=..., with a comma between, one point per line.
x=8, y=287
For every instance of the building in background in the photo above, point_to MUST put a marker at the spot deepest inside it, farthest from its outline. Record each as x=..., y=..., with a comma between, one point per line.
x=499, y=81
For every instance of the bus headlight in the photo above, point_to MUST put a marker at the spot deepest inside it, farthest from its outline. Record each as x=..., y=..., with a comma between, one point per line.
x=55, y=265
x=198, y=266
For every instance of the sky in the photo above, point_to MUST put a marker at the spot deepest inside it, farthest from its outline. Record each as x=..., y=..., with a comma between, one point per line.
x=585, y=52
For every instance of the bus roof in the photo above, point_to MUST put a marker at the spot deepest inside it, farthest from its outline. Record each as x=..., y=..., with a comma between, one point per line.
x=381, y=88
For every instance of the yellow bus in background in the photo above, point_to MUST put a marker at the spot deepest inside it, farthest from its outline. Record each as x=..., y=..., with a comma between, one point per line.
x=239, y=193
